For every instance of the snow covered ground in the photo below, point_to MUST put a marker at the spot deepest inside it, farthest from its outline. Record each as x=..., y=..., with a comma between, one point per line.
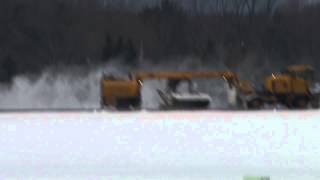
x=160, y=145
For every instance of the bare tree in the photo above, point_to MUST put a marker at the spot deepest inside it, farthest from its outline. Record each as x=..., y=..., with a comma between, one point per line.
x=270, y=5
x=251, y=6
x=238, y=6
x=221, y=7
x=294, y=5
x=195, y=4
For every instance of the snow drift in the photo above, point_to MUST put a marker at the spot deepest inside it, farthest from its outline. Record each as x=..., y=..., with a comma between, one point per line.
x=154, y=146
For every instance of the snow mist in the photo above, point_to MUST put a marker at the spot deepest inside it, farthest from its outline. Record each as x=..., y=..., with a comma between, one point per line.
x=79, y=87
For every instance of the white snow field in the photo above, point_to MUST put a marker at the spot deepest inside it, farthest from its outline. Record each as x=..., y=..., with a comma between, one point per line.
x=206, y=145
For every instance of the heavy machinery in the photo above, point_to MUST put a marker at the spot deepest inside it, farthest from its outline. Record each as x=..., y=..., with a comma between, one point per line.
x=192, y=99
x=126, y=93
x=294, y=88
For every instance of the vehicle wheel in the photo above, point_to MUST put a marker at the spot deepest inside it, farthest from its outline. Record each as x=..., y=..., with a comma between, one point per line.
x=255, y=104
x=300, y=103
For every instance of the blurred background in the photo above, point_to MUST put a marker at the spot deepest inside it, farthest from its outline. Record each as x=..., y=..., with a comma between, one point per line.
x=56, y=50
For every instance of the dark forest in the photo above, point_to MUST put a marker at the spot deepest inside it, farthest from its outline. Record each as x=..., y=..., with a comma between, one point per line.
x=39, y=33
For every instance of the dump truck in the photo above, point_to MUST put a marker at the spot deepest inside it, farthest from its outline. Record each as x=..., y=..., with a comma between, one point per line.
x=294, y=87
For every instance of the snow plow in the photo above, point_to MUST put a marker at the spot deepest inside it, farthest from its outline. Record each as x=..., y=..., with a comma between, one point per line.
x=192, y=99
x=124, y=94
x=294, y=88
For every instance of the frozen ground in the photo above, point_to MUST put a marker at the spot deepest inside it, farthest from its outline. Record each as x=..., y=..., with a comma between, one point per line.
x=160, y=146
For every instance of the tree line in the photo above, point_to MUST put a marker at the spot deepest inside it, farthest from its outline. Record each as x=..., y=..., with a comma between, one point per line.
x=38, y=33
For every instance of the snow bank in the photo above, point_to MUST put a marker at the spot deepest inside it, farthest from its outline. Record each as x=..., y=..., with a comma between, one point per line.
x=153, y=145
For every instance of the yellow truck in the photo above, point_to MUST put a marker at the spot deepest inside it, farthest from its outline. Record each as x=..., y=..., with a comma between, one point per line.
x=293, y=87
x=126, y=93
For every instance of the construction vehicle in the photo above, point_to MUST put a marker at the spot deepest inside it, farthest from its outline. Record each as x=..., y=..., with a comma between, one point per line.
x=126, y=93
x=192, y=99
x=294, y=88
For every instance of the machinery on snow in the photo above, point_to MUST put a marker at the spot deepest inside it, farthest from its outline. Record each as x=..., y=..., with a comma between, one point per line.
x=294, y=88
x=191, y=99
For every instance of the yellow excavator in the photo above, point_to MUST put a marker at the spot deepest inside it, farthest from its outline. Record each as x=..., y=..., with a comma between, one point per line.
x=293, y=87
